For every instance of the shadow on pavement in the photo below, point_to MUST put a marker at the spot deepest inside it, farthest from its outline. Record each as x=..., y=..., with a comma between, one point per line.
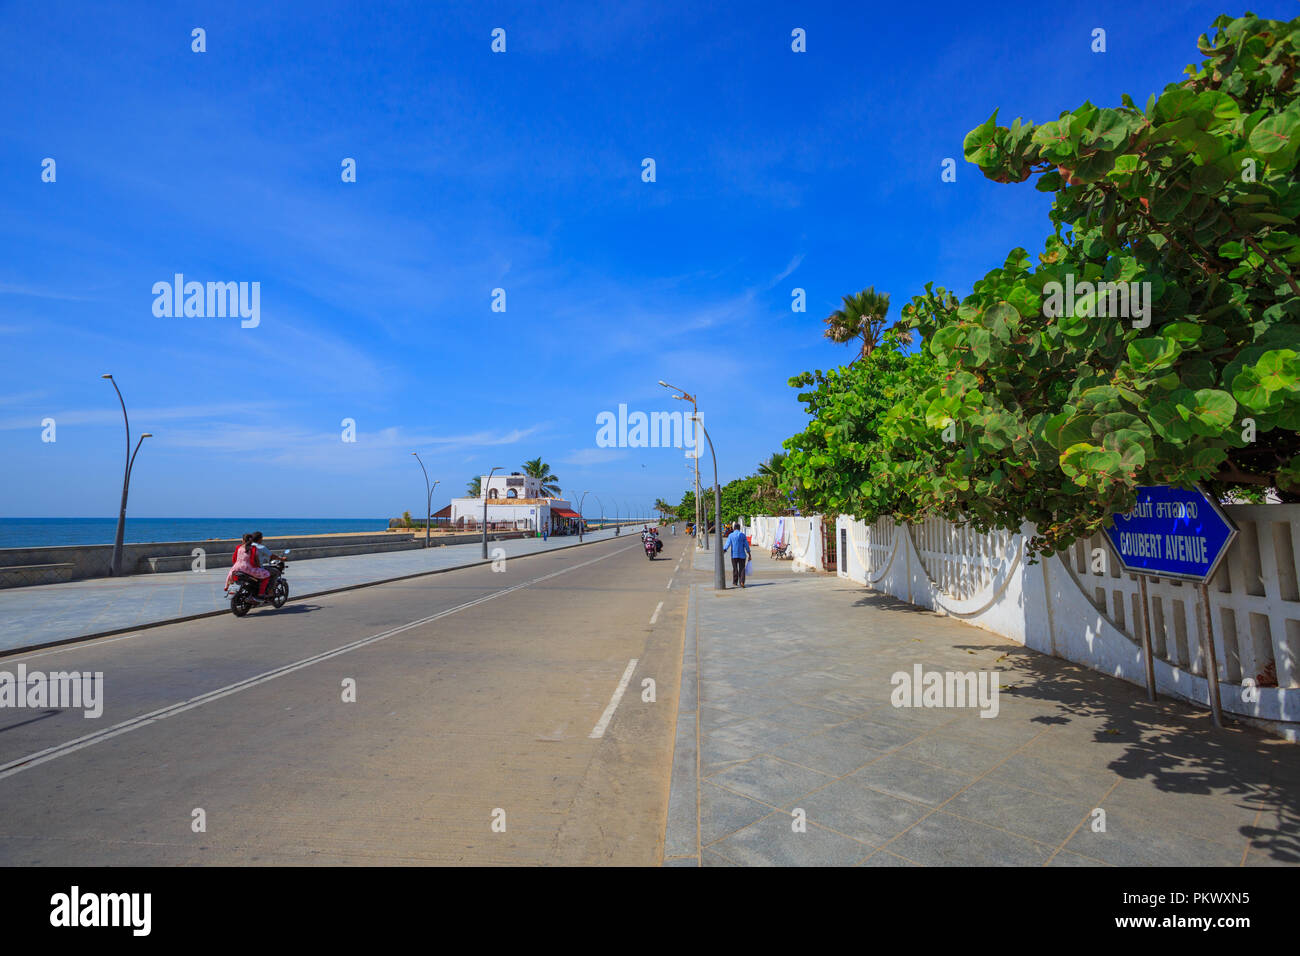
x=23, y=723
x=1170, y=744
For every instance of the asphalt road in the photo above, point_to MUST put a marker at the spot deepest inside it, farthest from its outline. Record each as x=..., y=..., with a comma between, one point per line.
x=477, y=693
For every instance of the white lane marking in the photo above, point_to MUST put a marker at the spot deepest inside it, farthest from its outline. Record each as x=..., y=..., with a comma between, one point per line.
x=78, y=646
x=655, y=616
x=171, y=710
x=669, y=585
x=90, y=643
x=599, y=730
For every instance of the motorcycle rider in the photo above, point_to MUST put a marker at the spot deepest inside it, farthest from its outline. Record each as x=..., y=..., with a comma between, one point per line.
x=246, y=563
x=264, y=556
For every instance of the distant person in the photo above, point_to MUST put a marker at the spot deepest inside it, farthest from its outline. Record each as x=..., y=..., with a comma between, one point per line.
x=738, y=545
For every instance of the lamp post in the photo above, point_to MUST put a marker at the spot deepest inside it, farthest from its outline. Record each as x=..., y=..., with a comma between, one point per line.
x=581, y=520
x=428, y=520
x=602, y=511
x=701, y=533
x=719, y=576
x=618, y=527
x=495, y=469
x=115, y=567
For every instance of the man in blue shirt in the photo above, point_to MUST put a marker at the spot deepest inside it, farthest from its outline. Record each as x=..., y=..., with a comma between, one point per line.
x=738, y=545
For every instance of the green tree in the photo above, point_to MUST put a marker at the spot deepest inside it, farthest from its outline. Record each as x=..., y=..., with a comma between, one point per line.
x=1179, y=359
x=849, y=459
x=536, y=468
x=772, y=473
x=475, y=486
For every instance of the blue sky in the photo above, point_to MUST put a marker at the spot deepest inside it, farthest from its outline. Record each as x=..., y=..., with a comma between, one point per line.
x=475, y=170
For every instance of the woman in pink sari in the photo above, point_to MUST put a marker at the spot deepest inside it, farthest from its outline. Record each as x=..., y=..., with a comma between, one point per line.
x=246, y=563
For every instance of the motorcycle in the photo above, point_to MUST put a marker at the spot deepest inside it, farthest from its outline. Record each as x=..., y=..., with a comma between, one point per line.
x=650, y=547
x=245, y=597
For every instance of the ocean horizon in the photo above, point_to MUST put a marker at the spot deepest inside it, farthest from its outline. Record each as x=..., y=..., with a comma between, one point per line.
x=54, y=532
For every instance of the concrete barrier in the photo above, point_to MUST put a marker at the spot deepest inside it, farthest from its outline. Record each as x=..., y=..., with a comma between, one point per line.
x=21, y=567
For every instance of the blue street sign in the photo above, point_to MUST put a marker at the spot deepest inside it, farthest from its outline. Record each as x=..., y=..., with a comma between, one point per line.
x=1172, y=533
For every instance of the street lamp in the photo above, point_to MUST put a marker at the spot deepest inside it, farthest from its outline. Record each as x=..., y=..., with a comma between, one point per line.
x=581, y=520
x=701, y=532
x=618, y=526
x=719, y=576
x=495, y=469
x=115, y=566
x=602, y=511
x=428, y=520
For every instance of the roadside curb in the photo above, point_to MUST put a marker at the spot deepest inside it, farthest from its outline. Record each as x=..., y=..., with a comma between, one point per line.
x=28, y=648
x=682, y=828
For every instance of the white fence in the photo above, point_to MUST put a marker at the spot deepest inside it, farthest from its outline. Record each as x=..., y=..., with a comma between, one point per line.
x=802, y=534
x=1080, y=606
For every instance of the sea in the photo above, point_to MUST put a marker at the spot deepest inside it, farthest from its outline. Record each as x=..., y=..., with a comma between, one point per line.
x=50, y=532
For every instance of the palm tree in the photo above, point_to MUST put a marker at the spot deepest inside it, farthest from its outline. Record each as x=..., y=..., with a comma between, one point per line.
x=536, y=468
x=770, y=472
x=475, y=486
x=863, y=316
x=664, y=508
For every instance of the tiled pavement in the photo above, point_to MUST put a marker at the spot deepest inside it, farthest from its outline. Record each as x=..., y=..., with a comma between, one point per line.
x=45, y=613
x=785, y=704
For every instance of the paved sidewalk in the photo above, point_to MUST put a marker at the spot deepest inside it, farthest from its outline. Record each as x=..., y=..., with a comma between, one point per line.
x=53, y=612
x=785, y=704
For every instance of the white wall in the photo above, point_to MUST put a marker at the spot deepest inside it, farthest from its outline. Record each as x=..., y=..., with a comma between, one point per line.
x=1079, y=606
x=803, y=534
x=526, y=515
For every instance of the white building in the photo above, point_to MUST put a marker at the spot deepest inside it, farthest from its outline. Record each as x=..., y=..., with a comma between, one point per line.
x=514, y=502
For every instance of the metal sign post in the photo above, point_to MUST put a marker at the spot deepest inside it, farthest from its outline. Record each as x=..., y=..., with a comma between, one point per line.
x=1147, y=657
x=1212, y=663
x=1175, y=533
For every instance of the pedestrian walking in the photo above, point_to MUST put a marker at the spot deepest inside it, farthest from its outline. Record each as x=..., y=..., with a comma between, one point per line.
x=738, y=545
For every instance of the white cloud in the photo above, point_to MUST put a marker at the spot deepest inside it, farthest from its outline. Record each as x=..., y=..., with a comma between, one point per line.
x=593, y=456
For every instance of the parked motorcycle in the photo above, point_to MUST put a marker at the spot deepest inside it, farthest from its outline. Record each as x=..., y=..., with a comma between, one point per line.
x=245, y=597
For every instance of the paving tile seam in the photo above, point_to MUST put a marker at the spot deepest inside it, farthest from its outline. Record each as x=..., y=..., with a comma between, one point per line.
x=783, y=813
x=940, y=806
x=893, y=853
x=1080, y=824
x=871, y=849
x=881, y=754
x=1254, y=824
